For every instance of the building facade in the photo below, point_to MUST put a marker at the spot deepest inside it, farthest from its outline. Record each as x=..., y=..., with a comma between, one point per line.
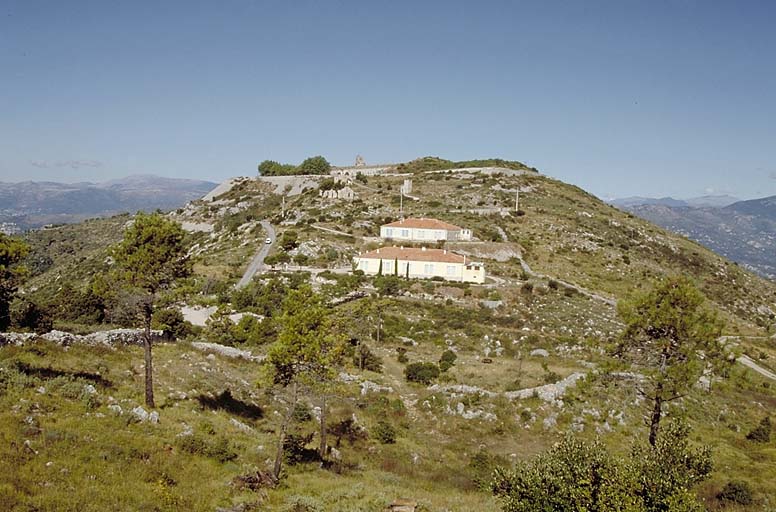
x=420, y=263
x=424, y=230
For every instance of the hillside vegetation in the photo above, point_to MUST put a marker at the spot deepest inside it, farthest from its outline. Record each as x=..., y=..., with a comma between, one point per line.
x=530, y=356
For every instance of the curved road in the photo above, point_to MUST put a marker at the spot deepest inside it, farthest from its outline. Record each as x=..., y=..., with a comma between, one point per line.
x=257, y=263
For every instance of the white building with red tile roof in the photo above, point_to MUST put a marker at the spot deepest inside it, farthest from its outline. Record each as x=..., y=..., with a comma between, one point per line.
x=424, y=230
x=422, y=263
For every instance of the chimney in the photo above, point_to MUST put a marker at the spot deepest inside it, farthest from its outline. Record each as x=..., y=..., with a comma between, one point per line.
x=423, y=248
x=378, y=251
x=445, y=251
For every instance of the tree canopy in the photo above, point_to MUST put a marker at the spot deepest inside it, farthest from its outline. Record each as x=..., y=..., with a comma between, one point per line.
x=12, y=252
x=312, y=165
x=150, y=258
x=673, y=339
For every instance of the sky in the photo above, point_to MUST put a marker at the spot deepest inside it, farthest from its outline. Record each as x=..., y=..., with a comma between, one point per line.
x=623, y=97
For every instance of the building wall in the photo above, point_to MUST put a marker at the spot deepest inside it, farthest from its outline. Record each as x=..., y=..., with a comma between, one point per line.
x=419, y=234
x=423, y=269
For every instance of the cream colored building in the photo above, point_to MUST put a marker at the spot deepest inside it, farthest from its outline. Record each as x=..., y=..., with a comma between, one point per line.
x=420, y=263
x=424, y=230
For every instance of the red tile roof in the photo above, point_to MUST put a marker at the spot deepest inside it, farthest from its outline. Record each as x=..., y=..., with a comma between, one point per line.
x=413, y=254
x=423, y=223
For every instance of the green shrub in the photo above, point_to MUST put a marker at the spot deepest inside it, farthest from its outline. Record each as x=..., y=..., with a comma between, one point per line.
x=171, y=323
x=365, y=359
x=736, y=491
x=384, y=433
x=302, y=413
x=422, y=373
x=447, y=360
x=762, y=432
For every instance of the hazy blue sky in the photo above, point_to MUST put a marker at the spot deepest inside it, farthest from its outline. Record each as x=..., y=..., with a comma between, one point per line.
x=622, y=97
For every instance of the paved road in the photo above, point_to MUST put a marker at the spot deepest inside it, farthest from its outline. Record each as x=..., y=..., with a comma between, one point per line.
x=747, y=361
x=257, y=263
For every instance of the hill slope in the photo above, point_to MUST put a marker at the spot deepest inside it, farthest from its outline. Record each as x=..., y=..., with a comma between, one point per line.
x=744, y=231
x=556, y=268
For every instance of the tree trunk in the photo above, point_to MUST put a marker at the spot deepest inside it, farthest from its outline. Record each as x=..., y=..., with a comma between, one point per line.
x=282, y=436
x=149, y=374
x=322, y=451
x=657, y=410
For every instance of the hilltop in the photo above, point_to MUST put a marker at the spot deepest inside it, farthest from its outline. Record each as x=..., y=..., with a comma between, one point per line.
x=530, y=343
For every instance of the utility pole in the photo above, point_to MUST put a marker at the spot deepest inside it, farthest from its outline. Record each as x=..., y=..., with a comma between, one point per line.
x=283, y=207
x=517, y=200
x=401, y=203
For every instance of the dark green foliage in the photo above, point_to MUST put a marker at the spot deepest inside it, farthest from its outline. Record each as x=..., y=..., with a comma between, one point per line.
x=83, y=306
x=346, y=429
x=314, y=165
x=12, y=251
x=302, y=413
x=736, y=491
x=762, y=432
x=261, y=297
x=579, y=476
x=447, y=360
x=422, y=373
x=387, y=285
x=669, y=467
x=295, y=449
x=171, y=323
x=219, y=449
x=384, y=432
x=573, y=476
x=29, y=315
x=667, y=328
x=365, y=359
x=272, y=168
x=481, y=467
x=289, y=240
x=224, y=401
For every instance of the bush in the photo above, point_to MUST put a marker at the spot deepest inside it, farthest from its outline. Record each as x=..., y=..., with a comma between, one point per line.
x=447, y=360
x=365, y=359
x=171, y=323
x=422, y=373
x=762, y=432
x=387, y=285
x=302, y=413
x=26, y=314
x=736, y=491
x=220, y=449
x=384, y=433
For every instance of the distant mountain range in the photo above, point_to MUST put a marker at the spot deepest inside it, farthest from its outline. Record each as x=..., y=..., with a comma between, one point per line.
x=696, y=202
x=743, y=231
x=32, y=204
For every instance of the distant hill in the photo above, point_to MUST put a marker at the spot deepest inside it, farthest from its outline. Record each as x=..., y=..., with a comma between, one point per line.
x=32, y=204
x=744, y=231
x=695, y=202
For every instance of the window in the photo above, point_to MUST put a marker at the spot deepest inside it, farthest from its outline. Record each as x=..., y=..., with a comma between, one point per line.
x=388, y=232
x=405, y=233
x=387, y=266
x=363, y=265
x=421, y=233
x=439, y=235
x=451, y=270
x=428, y=268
